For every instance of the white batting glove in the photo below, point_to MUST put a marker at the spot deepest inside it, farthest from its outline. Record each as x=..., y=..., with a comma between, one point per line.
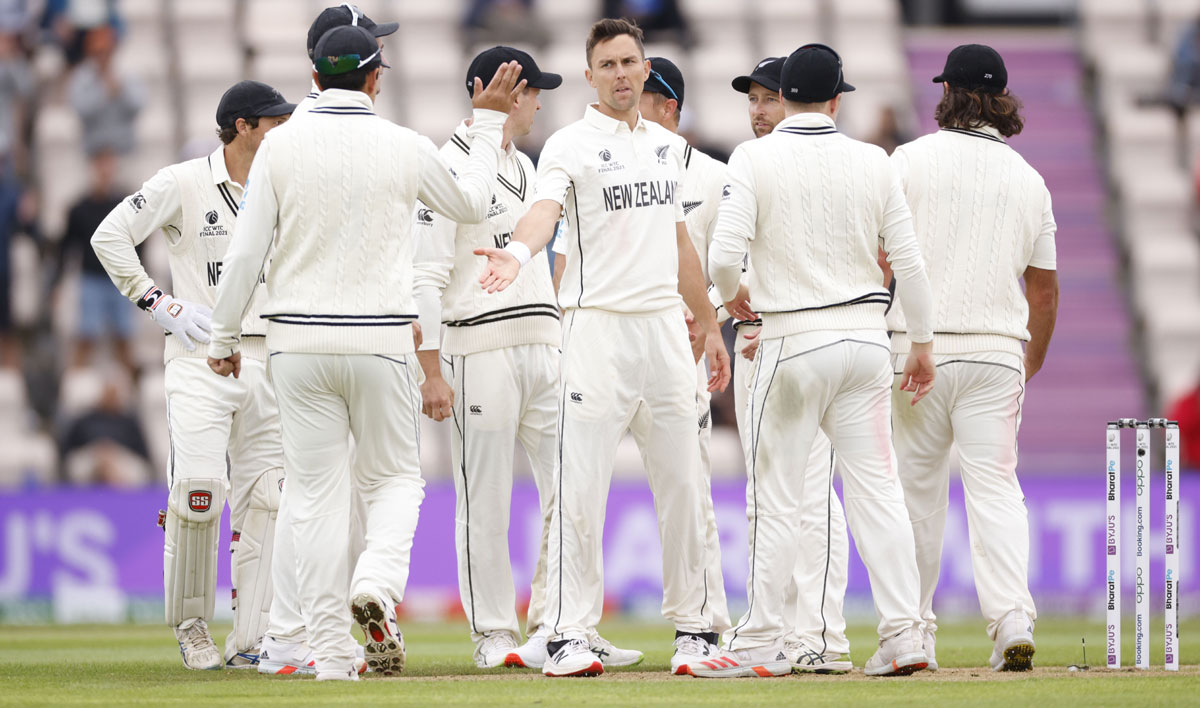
x=188, y=321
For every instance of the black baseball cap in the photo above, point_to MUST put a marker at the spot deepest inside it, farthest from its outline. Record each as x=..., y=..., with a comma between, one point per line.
x=766, y=74
x=345, y=14
x=976, y=67
x=345, y=49
x=665, y=78
x=813, y=74
x=485, y=64
x=251, y=99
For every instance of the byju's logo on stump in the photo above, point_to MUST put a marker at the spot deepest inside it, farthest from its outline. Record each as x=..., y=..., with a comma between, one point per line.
x=200, y=501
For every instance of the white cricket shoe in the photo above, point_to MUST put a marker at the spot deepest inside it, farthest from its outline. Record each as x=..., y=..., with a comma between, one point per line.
x=284, y=658
x=805, y=660
x=196, y=645
x=610, y=655
x=494, y=650
x=350, y=674
x=1014, y=643
x=929, y=641
x=755, y=662
x=531, y=654
x=385, y=645
x=573, y=658
x=898, y=655
x=691, y=649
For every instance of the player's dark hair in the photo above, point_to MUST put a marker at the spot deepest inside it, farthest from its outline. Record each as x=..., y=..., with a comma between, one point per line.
x=228, y=134
x=608, y=28
x=963, y=108
x=349, y=81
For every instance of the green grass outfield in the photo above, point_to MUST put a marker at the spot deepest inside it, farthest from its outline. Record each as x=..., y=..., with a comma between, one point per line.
x=139, y=665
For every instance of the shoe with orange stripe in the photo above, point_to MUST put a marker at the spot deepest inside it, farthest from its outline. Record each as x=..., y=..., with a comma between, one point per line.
x=758, y=662
x=899, y=655
x=285, y=658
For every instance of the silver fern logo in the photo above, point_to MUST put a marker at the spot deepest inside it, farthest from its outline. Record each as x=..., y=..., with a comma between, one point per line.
x=661, y=152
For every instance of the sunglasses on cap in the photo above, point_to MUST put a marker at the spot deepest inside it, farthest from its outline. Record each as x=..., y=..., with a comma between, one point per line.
x=344, y=64
x=658, y=77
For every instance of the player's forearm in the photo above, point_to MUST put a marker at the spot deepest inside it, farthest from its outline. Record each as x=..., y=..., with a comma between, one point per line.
x=1041, y=291
x=429, y=313
x=466, y=199
x=114, y=247
x=430, y=363
x=691, y=281
x=536, y=228
x=725, y=258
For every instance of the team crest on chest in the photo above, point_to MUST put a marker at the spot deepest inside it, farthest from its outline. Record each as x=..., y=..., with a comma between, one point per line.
x=661, y=152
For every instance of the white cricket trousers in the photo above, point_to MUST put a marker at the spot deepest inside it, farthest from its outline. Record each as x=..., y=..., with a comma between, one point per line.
x=839, y=382
x=500, y=396
x=717, y=608
x=816, y=593
x=623, y=372
x=323, y=400
x=975, y=405
x=227, y=430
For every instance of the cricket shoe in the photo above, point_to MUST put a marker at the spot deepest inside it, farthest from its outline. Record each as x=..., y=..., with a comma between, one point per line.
x=1014, y=643
x=744, y=663
x=610, y=655
x=350, y=674
x=531, y=654
x=196, y=645
x=692, y=649
x=572, y=657
x=809, y=661
x=497, y=649
x=284, y=658
x=244, y=659
x=385, y=645
x=898, y=655
x=929, y=641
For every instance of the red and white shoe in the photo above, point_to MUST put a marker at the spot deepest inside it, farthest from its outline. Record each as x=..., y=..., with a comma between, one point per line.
x=758, y=662
x=573, y=658
x=385, y=645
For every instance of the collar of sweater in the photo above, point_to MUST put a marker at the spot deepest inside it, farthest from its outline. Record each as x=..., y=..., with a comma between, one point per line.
x=806, y=124
x=460, y=133
x=982, y=130
x=609, y=125
x=343, y=101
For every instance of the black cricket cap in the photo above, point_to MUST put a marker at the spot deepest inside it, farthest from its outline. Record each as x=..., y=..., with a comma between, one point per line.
x=976, y=67
x=485, y=64
x=766, y=74
x=251, y=99
x=665, y=78
x=345, y=49
x=813, y=74
x=345, y=14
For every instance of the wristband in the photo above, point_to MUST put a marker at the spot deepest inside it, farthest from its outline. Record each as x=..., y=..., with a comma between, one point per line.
x=519, y=251
x=150, y=300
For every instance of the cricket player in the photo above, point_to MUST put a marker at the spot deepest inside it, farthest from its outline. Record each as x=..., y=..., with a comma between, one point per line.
x=817, y=591
x=626, y=360
x=340, y=187
x=984, y=222
x=811, y=206
x=703, y=180
x=285, y=647
x=225, y=440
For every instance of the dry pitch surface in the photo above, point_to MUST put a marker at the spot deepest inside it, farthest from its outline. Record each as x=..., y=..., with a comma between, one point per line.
x=138, y=665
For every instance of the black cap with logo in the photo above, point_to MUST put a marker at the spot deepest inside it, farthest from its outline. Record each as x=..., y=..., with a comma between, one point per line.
x=489, y=60
x=344, y=14
x=345, y=49
x=813, y=74
x=251, y=99
x=665, y=78
x=976, y=67
x=766, y=74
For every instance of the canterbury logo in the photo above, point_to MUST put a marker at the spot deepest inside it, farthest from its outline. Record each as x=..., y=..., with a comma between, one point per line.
x=577, y=397
x=476, y=410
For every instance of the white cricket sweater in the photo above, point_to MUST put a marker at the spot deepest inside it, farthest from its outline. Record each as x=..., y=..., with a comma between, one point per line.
x=982, y=215
x=619, y=190
x=812, y=207
x=339, y=186
x=195, y=204
x=446, y=271
x=703, y=180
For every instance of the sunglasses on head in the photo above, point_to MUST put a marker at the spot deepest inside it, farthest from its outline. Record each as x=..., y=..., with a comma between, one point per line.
x=332, y=66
